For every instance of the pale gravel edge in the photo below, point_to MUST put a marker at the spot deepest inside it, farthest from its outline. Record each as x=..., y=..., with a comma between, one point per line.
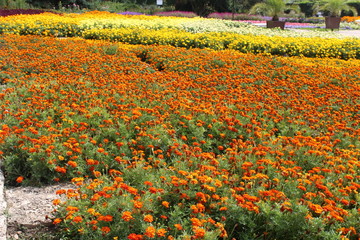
x=3, y=218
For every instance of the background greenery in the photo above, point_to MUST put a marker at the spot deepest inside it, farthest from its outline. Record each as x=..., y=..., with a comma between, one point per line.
x=200, y=7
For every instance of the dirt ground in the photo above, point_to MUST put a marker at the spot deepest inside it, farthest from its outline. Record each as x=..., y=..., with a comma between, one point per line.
x=29, y=210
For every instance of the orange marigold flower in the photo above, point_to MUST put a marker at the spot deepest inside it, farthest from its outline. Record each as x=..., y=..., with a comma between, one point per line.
x=161, y=232
x=199, y=232
x=92, y=162
x=150, y=232
x=184, y=138
x=20, y=179
x=60, y=169
x=148, y=218
x=178, y=226
x=132, y=190
x=152, y=190
x=194, y=209
x=134, y=236
x=165, y=204
x=101, y=150
x=97, y=173
x=107, y=218
x=32, y=150
x=223, y=209
x=350, y=230
x=138, y=204
x=301, y=188
x=91, y=211
x=196, y=222
x=71, y=208
x=57, y=221
x=56, y=202
x=105, y=230
x=93, y=222
x=61, y=191
x=349, y=177
x=148, y=183
x=316, y=208
x=77, y=219
x=126, y=216
x=72, y=164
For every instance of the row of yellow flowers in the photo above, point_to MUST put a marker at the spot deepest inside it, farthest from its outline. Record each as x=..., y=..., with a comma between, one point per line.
x=181, y=32
x=35, y=24
x=276, y=45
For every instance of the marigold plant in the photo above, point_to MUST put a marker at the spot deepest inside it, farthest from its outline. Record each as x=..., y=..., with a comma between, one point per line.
x=172, y=143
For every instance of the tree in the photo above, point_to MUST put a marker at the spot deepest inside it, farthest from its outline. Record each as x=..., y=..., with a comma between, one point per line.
x=273, y=8
x=335, y=7
x=49, y=4
x=242, y=6
x=202, y=7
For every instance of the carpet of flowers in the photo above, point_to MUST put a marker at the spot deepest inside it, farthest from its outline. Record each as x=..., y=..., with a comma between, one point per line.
x=173, y=143
x=184, y=32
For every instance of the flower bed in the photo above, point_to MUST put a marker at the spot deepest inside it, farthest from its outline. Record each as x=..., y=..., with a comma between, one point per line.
x=183, y=32
x=350, y=19
x=173, y=143
x=50, y=23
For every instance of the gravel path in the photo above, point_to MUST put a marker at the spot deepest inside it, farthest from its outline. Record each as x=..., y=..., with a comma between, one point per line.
x=2, y=209
x=29, y=209
x=350, y=33
x=347, y=33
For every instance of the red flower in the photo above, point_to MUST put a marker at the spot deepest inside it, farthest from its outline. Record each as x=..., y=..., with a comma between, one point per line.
x=134, y=236
x=20, y=179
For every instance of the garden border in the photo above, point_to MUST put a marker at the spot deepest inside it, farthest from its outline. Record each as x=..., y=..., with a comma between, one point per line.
x=3, y=222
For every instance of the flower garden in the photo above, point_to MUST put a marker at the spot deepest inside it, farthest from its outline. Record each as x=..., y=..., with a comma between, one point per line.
x=216, y=34
x=174, y=130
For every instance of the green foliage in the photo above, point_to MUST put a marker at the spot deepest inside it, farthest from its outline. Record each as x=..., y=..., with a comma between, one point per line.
x=273, y=8
x=200, y=7
x=44, y=4
x=335, y=7
x=112, y=6
x=307, y=8
x=193, y=143
x=14, y=4
x=111, y=50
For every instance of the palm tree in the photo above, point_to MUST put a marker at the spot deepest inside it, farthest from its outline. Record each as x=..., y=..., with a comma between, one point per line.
x=272, y=8
x=335, y=7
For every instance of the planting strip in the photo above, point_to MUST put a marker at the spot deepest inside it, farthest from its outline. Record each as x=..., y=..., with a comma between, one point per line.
x=3, y=223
